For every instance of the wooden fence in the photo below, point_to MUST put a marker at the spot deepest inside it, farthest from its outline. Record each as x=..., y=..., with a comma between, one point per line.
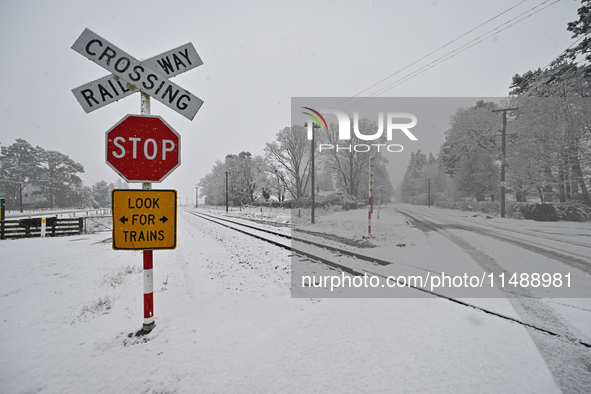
x=20, y=228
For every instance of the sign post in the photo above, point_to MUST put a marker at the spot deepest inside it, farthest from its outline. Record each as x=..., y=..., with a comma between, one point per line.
x=148, y=255
x=144, y=220
x=141, y=148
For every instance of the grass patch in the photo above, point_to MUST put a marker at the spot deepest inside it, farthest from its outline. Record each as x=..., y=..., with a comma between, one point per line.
x=117, y=277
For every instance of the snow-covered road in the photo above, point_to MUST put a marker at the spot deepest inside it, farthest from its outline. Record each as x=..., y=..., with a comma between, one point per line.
x=226, y=322
x=510, y=246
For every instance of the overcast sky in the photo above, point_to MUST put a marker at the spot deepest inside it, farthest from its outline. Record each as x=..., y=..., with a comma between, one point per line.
x=257, y=55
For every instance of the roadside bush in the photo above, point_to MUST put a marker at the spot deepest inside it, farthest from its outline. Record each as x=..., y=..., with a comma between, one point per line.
x=275, y=204
x=540, y=212
x=575, y=213
x=344, y=201
x=555, y=211
x=546, y=212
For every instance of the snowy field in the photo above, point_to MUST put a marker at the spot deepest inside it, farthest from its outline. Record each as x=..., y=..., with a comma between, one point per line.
x=226, y=322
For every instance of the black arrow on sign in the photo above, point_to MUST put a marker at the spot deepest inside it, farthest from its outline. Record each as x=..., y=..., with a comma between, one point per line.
x=124, y=219
x=163, y=219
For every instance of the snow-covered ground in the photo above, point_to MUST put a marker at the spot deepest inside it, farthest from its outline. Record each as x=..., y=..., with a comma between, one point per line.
x=226, y=322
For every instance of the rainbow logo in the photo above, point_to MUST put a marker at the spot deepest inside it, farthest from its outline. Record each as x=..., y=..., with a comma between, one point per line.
x=315, y=118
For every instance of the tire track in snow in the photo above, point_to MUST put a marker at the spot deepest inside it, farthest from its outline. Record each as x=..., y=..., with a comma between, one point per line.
x=570, y=364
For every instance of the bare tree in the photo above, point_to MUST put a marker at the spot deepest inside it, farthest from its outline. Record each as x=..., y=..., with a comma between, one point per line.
x=289, y=157
x=351, y=166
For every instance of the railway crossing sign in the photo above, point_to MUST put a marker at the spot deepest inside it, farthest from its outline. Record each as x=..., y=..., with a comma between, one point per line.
x=131, y=75
x=142, y=148
x=144, y=219
x=106, y=90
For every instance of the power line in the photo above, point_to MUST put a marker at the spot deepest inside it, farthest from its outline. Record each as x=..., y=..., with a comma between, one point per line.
x=457, y=51
x=432, y=52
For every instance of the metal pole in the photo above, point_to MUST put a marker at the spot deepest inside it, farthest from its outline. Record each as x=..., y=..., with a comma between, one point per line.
x=226, y=191
x=429, y=191
x=20, y=185
x=370, y=209
x=503, y=164
x=196, y=196
x=312, y=194
x=148, y=255
x=379, y=202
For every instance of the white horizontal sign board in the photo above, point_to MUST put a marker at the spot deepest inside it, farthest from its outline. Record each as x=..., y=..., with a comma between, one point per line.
x=111, y=88
x=133, y=75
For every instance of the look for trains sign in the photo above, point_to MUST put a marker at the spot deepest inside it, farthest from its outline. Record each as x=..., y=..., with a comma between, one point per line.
x=144, y=219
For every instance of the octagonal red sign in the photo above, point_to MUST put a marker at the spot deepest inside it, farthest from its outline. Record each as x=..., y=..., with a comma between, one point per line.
x=143, y=148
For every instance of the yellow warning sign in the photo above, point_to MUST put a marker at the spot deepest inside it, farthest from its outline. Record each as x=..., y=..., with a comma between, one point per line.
x=143, y=219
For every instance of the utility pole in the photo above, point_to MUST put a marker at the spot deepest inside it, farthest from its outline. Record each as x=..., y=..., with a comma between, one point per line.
x=313, y=188
x=503, y=143
x=226, y=191
x=429, y=191
x=379, y=200
x=370, y=209
x=20, y=189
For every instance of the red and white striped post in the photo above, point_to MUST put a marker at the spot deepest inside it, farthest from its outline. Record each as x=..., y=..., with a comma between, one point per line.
x=148, y=292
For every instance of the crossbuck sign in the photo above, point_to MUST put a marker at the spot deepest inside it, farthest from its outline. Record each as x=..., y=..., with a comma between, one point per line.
x=130, y=75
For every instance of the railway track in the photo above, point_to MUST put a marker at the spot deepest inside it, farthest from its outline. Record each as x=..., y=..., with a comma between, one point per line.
x=299, y=237
x=317, y=251
x=285, y=241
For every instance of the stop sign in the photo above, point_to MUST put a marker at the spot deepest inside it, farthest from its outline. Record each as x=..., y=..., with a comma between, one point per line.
x=143, y=148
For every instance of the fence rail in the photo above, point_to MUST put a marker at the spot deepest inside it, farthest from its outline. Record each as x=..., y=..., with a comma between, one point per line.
x=95, y=224
x=20, y=228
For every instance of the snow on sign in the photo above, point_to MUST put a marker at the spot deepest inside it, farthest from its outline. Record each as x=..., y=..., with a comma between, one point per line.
x=142, y=148
x=133, y=75
x=144, y=219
